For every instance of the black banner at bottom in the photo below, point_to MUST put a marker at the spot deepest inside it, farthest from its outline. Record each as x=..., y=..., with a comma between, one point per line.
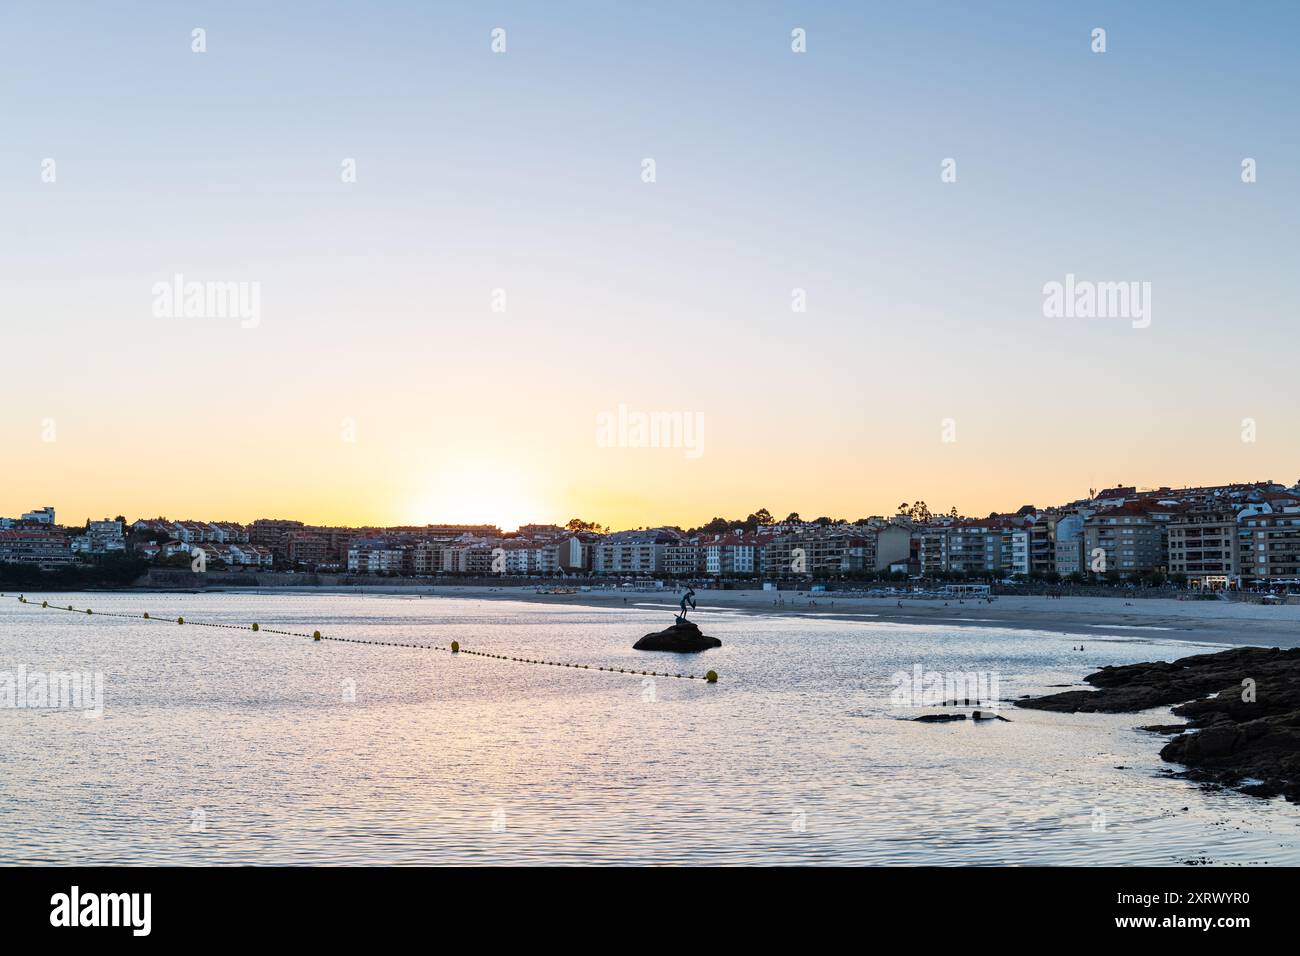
x=333, y=905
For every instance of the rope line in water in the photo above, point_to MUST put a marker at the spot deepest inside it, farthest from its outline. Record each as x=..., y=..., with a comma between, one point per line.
x=711, y=677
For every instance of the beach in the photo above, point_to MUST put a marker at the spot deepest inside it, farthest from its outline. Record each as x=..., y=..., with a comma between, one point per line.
x=1219, y=622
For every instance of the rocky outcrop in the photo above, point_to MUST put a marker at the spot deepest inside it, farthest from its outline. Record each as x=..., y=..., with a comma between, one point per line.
x=947, y=718
x=1243, y=708
x=682, y=637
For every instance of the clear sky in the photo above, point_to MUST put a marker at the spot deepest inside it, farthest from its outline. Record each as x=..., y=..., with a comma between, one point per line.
x=522, y=171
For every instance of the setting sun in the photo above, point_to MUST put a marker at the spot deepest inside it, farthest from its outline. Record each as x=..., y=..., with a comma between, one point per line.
x=481, y=492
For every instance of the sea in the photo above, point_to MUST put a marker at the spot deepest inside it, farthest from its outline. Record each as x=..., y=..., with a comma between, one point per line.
x=221, y=745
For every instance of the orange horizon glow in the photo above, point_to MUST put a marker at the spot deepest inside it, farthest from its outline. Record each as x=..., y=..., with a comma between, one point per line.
x=637, y=488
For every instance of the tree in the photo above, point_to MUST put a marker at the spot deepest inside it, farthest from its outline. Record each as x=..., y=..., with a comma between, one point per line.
x=792, y=518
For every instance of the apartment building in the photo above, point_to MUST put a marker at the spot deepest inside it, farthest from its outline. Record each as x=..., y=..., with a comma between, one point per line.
x=231, y=555
x=875, y=549
x=226, y=532
x=997, y=545
x=426, y=558
x=43, y=547
x=934, y=550
x=375, y=555
x=682, y=559
x=1042, y=543
x=1270, y=545
x=101, y=537
x=575, y=554
x=515, y=558
x=40, y=516
x=1204, y=546
x=544, y=558
x=476, y=559
x=732, y=554
x=974, y=548
x=1015, y=551
x=632, y=552
x=1067, y=546
x=274, y=533
x=1127, y=538
x=817, y=551
x=307, y=550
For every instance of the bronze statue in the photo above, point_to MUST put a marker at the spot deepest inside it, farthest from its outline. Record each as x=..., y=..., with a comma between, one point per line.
x=687, y=598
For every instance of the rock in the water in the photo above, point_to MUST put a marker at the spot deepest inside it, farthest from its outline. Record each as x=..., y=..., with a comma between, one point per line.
x=683, y=637
x=946, y=718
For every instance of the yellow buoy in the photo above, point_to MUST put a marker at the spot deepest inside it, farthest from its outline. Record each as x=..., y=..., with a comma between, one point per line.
x=146, y=615
x=45, y=604
x=255, y=626
x=711, y=677
x=315, y=635
x=455, y=647
x=180, y=620
x=89, y=611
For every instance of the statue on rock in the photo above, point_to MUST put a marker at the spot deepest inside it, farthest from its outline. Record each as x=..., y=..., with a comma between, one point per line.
x=684, y=636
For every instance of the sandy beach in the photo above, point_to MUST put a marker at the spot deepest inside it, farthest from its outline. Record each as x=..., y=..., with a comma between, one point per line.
x=1224, y=622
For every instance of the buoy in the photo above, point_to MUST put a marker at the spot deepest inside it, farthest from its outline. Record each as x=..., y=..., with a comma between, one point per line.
x=455, y=647
x=315, y=635
x=45, y=604
x=146, y=615
x=89, y=611
x=180, y=620
x=255, y=627
x=711, y=677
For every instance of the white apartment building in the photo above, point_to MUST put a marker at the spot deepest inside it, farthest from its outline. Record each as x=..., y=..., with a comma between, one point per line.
x=631, y=552
x=40, y=516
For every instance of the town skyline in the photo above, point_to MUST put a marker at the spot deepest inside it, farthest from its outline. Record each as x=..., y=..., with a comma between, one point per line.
x=1215, y=536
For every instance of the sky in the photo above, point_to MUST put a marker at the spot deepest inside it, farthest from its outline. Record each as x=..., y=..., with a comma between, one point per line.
x=440, y=339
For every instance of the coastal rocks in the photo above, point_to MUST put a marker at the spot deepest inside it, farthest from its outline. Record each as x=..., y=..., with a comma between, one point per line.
x=1166, y=729
x=977, y=715
x=1243, y=707
x=683, y=637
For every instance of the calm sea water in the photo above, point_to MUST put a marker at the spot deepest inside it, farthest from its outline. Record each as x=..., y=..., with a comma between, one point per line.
x=226, y=747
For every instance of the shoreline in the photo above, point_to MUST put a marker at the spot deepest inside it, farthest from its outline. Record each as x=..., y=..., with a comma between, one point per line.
x=1213, y=622
x=1168, y=619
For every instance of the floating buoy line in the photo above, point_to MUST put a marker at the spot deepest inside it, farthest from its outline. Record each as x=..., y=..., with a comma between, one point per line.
x=455, y=648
